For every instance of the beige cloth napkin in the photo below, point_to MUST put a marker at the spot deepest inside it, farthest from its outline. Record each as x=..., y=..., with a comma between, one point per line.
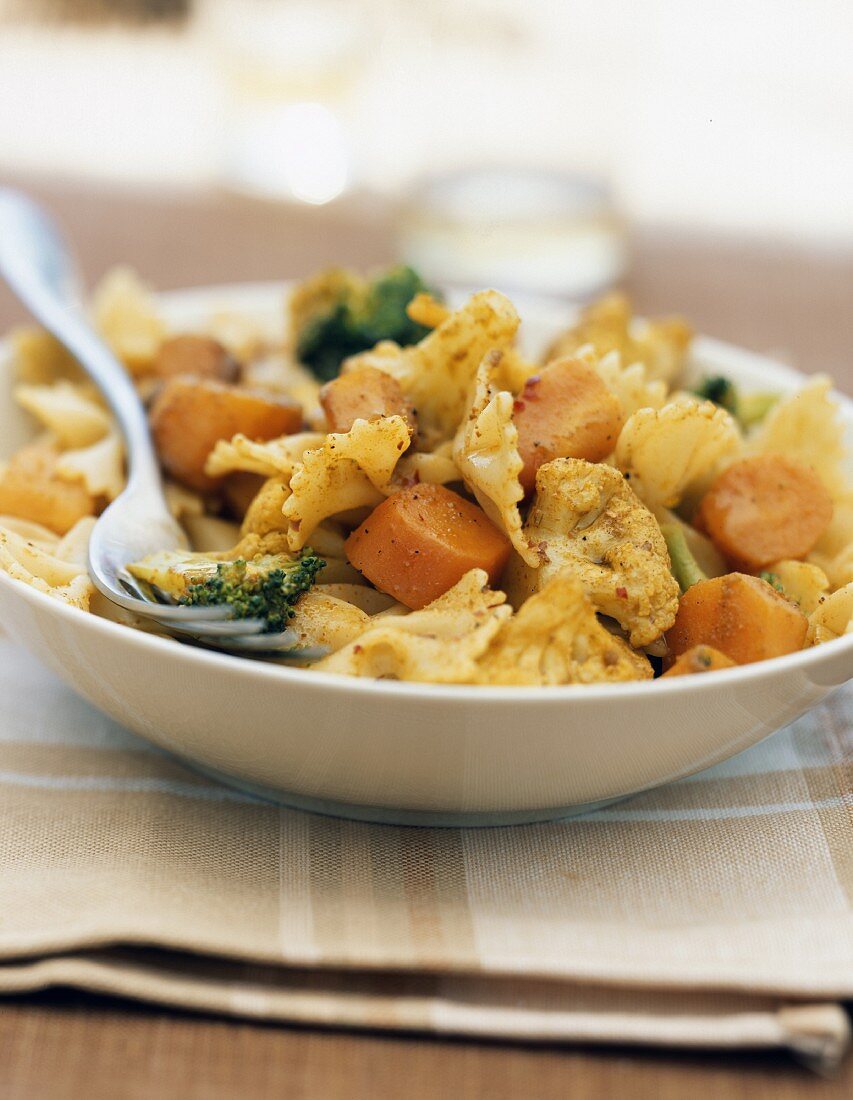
x=715, y=912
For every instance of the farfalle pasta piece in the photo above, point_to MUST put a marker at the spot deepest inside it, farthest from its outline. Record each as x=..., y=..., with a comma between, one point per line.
x=416, y=646
x=264, y=515
x=279, y=374
x=660, y=344
x=246, y=337
x=275, y=458
x=182, y=502
x=834, y=552
x=30, y=531
x=100, y=466
x=832, y=618
x=349, y=470
x=67, y=410
x=437, y=374
x=40, y=359
x=556, y=638
x=807, y=427
x=631, y=384
x=588, y=524
x=670, y=452
x=73, y=547
x=442, y=367
x=47, y=571
x=386, y=356
x=126, y=315
x=324, y=621
x=486, y=453
x=428, y=467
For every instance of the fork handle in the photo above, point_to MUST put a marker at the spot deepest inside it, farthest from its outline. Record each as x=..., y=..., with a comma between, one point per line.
x=37, y=266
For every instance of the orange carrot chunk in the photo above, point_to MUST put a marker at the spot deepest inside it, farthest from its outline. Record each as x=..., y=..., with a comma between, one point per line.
x=361, y=395
x=743, y=617
x=765, y=508
x=190, y=415
x=701, y=658
x=419, y=542
x=565, y=411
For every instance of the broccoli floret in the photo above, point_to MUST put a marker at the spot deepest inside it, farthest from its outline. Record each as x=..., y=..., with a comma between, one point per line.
x=748, y=408
x=685, y=568
x=355, y=316
x=719, y=390
x=263, y=589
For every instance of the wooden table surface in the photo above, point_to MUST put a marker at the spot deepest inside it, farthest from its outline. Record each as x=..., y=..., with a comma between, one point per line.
x=793, y=301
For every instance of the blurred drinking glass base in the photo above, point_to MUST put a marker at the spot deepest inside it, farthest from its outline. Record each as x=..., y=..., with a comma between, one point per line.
x=288, y=72
x=516, y=229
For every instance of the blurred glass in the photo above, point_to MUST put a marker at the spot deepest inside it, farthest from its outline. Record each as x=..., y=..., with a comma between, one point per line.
x=516, y=229
x=289, y=70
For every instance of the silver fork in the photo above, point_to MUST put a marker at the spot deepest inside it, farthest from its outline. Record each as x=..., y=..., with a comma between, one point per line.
x=38, y=268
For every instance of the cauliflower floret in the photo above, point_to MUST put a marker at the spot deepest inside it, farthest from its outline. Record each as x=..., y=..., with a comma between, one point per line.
x=631, y=384
x=661, y=345
x=415, y=647
x=589, y=524
x=486, y=453
x=350, y=470
x=675, y=450
x=556, y=638
x=833, y=617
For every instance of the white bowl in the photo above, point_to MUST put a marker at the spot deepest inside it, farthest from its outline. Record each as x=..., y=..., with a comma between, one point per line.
x=411, y=753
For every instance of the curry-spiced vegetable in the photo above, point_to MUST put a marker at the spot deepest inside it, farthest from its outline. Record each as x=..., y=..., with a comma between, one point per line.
x=741, y=616
x=418, y=543
x=190, y=415
x=748, y=408
x=363, y=394
x=701, y=658
x=685, y=568
x=337, y=314
x=565, y=411
x=265, y=587
x=197, y=356
x=31, y=488
x=764, y=508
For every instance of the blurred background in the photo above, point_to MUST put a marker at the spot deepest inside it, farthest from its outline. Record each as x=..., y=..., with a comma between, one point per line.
x=534, y=144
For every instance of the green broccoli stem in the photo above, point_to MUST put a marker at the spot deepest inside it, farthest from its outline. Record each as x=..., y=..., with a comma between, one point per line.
x=753, y=407
x=685, y=568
